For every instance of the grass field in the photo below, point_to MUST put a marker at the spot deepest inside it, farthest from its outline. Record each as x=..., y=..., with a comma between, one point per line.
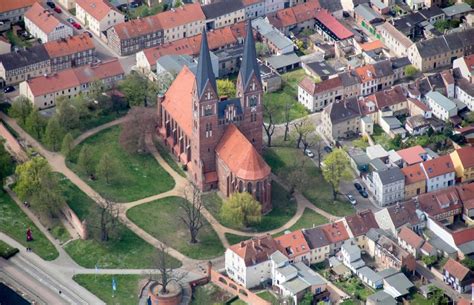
x=165, y=154
x=235, y=239
x=172, y=231
x=140, y=176
x=309, y=219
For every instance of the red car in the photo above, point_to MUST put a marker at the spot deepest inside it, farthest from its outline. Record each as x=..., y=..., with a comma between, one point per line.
x=77, y=25
x=58, y=10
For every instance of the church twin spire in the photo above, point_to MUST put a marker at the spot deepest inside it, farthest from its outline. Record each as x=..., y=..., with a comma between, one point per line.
x=205, y=73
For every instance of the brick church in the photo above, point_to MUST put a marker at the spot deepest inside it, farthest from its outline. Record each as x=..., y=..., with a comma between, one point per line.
x=220, y=140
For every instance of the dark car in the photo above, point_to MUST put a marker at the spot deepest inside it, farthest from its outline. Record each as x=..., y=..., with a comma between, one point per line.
x=58, y=10
x=358, y=186
x=327, y=149
x=88, y=33
x=9, y=89
x=363, y=193
x=51, y=4
x=70, y=20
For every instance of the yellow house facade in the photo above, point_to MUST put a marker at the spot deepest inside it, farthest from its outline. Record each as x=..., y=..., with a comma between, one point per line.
x=463, y=160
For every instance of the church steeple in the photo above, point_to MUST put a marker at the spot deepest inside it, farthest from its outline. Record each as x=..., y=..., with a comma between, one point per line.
x=249, y=65
x=205, y=74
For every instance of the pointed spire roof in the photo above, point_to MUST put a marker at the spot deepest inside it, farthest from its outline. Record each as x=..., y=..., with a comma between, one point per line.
x=204, y=73
x=249, y=60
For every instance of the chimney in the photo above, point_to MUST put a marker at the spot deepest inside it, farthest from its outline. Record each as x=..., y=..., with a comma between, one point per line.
x=242, y=244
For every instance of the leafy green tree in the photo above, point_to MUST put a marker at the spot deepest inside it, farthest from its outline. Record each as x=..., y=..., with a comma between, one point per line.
x=35, y=124
x=138, y=90
x=410, y=71
x=307, y=299
x=20, y=109
x=6, y=163
x=66, y=146
x=468, y=262
x=53, y=134
x=95, y=90
x=262, y=49
x=242, y=209
x=225, y=87
x=107, y=168
x=429, y=260
x=202, y=297
x=396, y=142
x=82, y=104
x=336, y=169
x=66, y=114
x=437, y=296
x=302, y=129
x=85, y=160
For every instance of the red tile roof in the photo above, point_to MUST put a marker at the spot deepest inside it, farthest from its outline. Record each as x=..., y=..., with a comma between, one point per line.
x=137, y=27
x=412, y=155
x=466, y=155
x=419, y=104
x=361, y=222
x=438, y=166
x=251, y=2
x=466, y=193
x=178, y=100
x=427, y=247
x=96, y=8
x=306, y=11
x=294, y=244
x=11, y=5
x=469, y=60
x=410, y=237
x=235, y=150
x=413, y=174
x=310, y=86
x=335, y=232
x=366, y=73
x=180, y=16
x=390, y=97
x=69, y=46
x=439, y=202
x=89, y=73
x=373, y=45
x=456, y=269
x=333, y=25
x=463, y=301
x=463, y=236
x=43, y=19
x=293, y=15
x=257, y=249
x=403, y=213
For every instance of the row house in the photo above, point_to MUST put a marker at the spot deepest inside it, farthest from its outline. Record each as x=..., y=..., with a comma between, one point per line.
x=465, y=65
x=464, y=92
x=396, y=41
x=316, y=96
x=427, y=55
x=182, y=22
x=70, y=52
x=463, y=161
x=336, y=234
x=415, y=181
x=358, y=224
x=295, y=19
x=410, y=241
x=388, y=186
x=443, y=108
x=223, y=13
x=341, y=119
x=390, y=255
x=42, y=24
x=254, y=8
x=295, y=247
x=272, y=6
x=440, y=173
x=98, y=15
x=278, y=44
x=13, y=11
x=43, y=91
x=442, y=206
x=393, y=217
x=458, y=276
x=318, y=243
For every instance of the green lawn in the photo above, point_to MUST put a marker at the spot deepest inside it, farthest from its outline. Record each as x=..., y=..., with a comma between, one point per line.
x=79, y=202
x=353, y=286
x=17, y=41
x=165, y=154
x=140, y=176
x=209, y=294
x=14, y=223
x=318, y=191
x=309, y=219
x=238, y=302
x=268, y=296
x=419, y=299
x=282, y=211
x=235, y=239
x=172, y=231
x=7, y=251
x=101, y=285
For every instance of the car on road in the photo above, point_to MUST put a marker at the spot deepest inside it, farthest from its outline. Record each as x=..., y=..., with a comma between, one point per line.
x=76, y=25
x=88, y=33
x=363, y=193
x=9, y=89
x=70, y=20
x=309, y=153
x=51, y=4
x=58, y=10
x=358, y=186
x=351, y=199
x=327, y=149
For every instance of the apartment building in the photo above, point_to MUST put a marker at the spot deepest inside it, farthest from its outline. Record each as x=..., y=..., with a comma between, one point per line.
x=315, y=96
x=415, y=181
x=254, y=8
x=98, y=15
x=43, y=91
x=440, y=173
x=70, y=52
x=182, y=22
x=13, y=10
x=223, y=13
x=341, y=119
x=23, y=64
x=443, y=108
x=396, y=41
x=389, y=186
x=463, y=160
x=43, y=25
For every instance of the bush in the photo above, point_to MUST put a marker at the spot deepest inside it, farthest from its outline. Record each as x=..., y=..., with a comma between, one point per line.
x=6, y=251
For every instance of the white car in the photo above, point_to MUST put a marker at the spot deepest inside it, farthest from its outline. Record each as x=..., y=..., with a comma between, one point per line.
x=309, y=153
x=351, y=199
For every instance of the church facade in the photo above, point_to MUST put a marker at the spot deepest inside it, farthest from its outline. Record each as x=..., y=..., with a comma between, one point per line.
x=219, y=139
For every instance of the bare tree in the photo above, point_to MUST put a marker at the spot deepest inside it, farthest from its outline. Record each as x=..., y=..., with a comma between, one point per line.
x=287, y=120
x=318, y=150
x=139, y=122
x=301, y=130
x=296, y=175
x=191, y=216
x=105, y=219
x=165, y=274
x=269, y=127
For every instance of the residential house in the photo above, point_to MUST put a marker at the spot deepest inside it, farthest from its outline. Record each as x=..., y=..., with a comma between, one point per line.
x=458, y=276
x=316, y=96
x=254, y=8
x=70, y=52
x=331, y=29
x=370, y=277
x=223, y=13
x=367, y=78
x=415, y=4
x=457, y=11
x=427, y=55
x=367, y=17
x=413, y=155
x=410, y=241
x=433, y=14
x=394, y=217
x=98, y=15
x=67, y=4
x=463, y=161
x=442, y=205
x=466, y=194
x=389, y=186
x=389, y=255
x=416, y=107
x=410, y=25
x=318, y=243
x=341, y=119
x=381, y=298
x=465, y=65
x=13, y=11
x=442, y=107
x=440, y=173
x=336, y=234
x=272, y=6
x=465, y=92
x=334, y=7
x=296, y=18
x=358, y=224
x=185, y=21
x=351, y=256
x=397, y=285
x=42, y=24
x=381, y=7
x=43, y=91
x=248, y=262
x=23, y=64
x=277, y=43
x=393, y=98
x=295, y=247
x=351, y=83
x=415, y=181
x=396, y=41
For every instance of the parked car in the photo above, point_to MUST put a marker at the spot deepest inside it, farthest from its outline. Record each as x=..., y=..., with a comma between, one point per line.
x=77, y=25
x=9, y=89
x=88, y=33
x=51, y=4
x=363, y=193
x=70, y=20
x=327, y=149
x=351, y=199
x=58, y=10
x=309, y=153
x=134, y=5
x=358, y=186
